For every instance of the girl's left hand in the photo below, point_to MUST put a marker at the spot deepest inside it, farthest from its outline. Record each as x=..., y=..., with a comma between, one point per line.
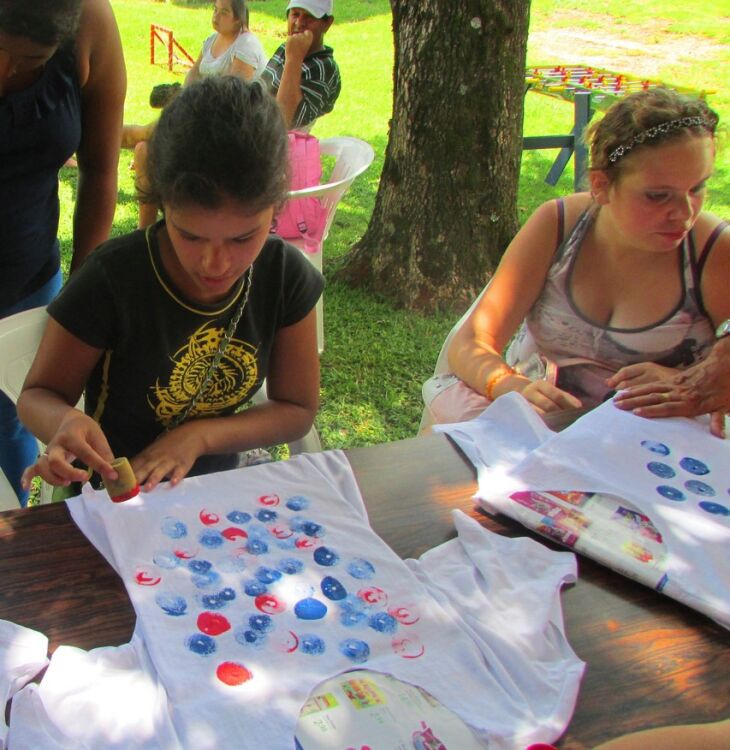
x=639, y=374
x=170, y=456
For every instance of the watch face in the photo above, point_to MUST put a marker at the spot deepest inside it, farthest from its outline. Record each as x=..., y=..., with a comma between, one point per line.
x=723, y=329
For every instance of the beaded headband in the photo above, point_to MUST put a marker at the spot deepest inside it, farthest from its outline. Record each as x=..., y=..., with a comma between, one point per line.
x=657, y=130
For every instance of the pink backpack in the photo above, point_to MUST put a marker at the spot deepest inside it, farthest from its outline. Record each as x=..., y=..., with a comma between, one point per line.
x=303, y=218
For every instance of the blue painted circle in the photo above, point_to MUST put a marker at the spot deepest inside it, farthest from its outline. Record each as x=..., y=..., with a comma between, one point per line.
x=700, y=488
x=333, y=589
x=267, y=575
x=694, y=466
x=326, y=557
x=200, y=644
x=383, y=622
x=298, y=502
x=311, y=644
x=261, y=623
x=310, y=609
x=266, y=516
x=200, y=566
x=354, y=649
x=715, y=508
x=671, y=493
x=238, y=516
x=210, y=538
x=655, y=447
x=661, y=470
x=255, y=588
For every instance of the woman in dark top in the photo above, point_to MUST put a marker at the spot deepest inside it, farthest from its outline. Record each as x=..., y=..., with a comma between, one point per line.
x=62, y=86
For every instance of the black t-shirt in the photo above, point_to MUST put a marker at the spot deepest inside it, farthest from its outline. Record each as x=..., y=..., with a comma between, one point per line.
x=158, y=344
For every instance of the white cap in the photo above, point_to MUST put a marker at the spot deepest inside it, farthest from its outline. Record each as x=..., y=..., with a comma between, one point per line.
x=316, y=8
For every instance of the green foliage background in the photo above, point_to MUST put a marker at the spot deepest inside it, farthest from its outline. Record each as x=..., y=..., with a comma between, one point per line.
x=376, y=357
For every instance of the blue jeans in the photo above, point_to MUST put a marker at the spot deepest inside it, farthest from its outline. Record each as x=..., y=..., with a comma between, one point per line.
x=18, y=448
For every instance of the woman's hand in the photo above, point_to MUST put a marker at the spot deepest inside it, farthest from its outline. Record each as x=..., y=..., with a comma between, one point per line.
x=171, y=456
x=640, y=374
x=77, y=437
x=541, y=395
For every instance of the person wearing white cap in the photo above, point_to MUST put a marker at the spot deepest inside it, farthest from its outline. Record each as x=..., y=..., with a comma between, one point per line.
x=302, y=73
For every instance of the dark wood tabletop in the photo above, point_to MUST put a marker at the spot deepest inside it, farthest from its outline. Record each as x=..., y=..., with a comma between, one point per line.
x=651, y=660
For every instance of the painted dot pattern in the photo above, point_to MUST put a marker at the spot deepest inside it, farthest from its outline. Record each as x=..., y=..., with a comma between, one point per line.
x=269, y=581
x=686, y=486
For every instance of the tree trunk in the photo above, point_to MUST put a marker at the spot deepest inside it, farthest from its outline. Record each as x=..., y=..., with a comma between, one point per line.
x=447, y=203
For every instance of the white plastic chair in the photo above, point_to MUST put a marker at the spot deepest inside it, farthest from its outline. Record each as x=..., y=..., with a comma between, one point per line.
x=431, y=388
x=20, y=336
x=352, y=157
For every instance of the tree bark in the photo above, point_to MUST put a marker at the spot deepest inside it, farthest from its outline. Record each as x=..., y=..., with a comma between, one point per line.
x=447, y=203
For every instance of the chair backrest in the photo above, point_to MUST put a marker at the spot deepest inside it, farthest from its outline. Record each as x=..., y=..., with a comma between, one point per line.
x=352, y=157
x=20, y=335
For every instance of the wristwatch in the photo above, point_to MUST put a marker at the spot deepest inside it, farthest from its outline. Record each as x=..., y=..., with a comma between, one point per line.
x=723, y=329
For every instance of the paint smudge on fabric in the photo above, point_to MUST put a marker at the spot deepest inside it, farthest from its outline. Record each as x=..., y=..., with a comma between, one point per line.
x=172, y=605
x=290, y=565
x=361, y=569
x=298, y=502
x=655, y=447
x=173, y=528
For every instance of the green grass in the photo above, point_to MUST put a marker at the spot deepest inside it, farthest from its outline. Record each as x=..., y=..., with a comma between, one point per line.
x=376, y=357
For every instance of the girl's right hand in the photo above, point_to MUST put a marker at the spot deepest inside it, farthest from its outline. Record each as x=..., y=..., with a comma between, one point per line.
x=545, y=398
x=78, y=437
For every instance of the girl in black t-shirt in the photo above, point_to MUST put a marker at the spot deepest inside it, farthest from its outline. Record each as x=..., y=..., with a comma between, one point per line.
x=169, y=331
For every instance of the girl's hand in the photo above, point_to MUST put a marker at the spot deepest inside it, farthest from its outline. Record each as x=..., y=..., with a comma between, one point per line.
x=78, y=437
x=170, y=456
x=544, y=397
x=640, y=374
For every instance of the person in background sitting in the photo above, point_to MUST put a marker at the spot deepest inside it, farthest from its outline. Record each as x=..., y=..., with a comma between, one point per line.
x=231, y=50
x=619, y=287
x=62, y=88
x=302, y=74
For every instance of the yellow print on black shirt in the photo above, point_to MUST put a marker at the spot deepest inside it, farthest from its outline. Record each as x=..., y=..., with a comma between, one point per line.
x=231, y=382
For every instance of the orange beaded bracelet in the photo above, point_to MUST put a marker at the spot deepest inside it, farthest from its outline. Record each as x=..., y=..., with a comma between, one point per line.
x=497, y=377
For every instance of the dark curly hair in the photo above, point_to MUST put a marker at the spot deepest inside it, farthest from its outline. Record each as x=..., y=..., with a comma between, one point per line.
x=48, y=22
x=221, y=138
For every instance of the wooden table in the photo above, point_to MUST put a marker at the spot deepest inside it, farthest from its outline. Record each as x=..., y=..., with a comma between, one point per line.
x=650, y=660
